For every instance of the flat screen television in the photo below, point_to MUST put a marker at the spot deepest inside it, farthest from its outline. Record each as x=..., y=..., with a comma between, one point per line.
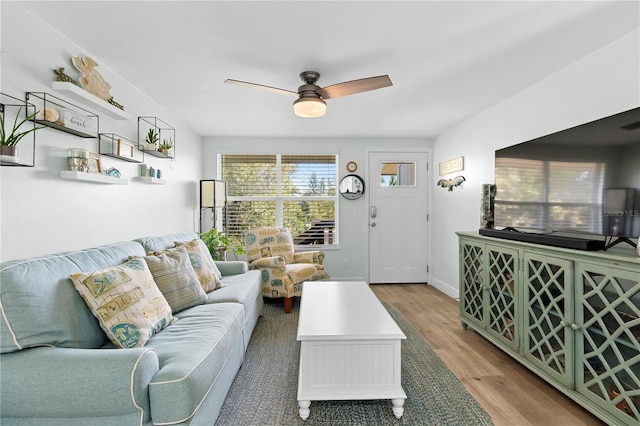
x=583, y=182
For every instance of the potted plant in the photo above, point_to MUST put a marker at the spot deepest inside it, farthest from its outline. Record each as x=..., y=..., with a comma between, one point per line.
x=165, y=146
x=218, y=244
x=151, y=140
x=8, y=141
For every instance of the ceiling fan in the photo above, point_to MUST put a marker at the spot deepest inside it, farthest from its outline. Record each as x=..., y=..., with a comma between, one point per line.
x=311, y=97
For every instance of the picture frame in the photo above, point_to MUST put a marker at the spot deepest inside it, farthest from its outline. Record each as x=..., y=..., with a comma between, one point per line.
x=124, y=149
x=95, y=163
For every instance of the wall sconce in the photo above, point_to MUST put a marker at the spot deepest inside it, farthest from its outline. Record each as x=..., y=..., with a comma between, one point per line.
x=213, y=196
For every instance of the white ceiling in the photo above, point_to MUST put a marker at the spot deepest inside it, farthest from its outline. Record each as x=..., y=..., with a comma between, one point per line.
x=448, y=60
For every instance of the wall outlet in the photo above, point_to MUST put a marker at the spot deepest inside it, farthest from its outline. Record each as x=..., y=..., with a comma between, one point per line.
x=346, y=263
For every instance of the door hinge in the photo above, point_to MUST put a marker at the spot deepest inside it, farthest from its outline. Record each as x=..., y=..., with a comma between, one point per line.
x=427, y=217
x=427, y=268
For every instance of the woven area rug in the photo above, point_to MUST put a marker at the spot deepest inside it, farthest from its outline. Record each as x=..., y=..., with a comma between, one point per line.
x=264, y=391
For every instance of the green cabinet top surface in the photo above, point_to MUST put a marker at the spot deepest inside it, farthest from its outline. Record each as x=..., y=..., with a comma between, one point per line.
x=624, y=256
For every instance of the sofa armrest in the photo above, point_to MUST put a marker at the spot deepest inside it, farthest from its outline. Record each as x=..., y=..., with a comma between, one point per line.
x=48, y=382
x=313, y=256
x=232, y=267
x=268, y=262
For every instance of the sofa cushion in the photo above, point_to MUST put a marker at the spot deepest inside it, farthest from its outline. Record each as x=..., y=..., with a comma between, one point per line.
x=176, y=279
x=243, y=288
x=40, y=306
x=192, y=352
x=126, y=301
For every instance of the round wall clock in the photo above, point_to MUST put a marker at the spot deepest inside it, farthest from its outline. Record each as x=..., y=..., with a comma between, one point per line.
x=352, y=166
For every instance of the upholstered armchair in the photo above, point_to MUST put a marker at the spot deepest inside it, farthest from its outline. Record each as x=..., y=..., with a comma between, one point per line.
x=270, y=250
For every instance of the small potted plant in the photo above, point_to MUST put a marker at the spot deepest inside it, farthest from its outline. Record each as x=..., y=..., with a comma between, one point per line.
x=218, y=244
x=165, y=147
x=8, y=141
x=151, y=140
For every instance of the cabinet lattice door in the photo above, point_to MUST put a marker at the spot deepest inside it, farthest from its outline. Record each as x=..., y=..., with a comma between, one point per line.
x=609, y=314
x=471, y=300
x=502, y=320
x=572, y=317
x=548, y=342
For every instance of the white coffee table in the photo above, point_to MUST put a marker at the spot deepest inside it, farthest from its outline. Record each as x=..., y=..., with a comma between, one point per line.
x=349, y=346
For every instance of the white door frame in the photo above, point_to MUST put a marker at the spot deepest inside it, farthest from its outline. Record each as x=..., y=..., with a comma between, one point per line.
x=367, y=167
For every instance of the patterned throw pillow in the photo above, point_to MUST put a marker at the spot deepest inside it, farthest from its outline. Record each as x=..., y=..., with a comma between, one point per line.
x=176, y=279
x=126, y=301
x=200, y=262
x=205, y=253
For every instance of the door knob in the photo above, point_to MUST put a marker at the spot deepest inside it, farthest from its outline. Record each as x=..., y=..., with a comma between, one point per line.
x=374, y=211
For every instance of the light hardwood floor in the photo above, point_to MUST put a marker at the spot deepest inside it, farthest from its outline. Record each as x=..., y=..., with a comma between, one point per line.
x=508, y=392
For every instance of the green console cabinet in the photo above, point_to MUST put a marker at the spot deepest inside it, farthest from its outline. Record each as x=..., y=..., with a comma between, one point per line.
x=572, y=317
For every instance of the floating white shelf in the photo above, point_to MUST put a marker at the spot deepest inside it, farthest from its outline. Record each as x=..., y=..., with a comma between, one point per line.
x=79, y=93
x=149, y=179
x=92, y=177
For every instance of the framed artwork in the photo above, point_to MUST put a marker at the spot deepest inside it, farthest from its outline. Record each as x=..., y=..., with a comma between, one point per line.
x=95, y=165
x=125, y=149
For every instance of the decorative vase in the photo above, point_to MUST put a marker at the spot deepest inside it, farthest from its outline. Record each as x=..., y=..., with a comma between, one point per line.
x=9, y=154
x=150, y=147
x=78, y=159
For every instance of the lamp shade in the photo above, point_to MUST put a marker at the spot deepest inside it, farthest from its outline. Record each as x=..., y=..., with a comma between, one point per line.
x=309, y=107
x=213, y=193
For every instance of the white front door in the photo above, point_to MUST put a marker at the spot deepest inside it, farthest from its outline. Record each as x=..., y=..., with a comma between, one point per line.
x=398, y=239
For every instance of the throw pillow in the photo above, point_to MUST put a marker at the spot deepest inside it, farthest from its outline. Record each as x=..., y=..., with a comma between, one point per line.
x=201, y=265
x=176, y=279
x=206, y=253
x=126, y=301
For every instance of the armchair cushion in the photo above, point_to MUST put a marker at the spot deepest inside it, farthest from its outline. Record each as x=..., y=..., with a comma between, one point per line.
x=268, y=262
x=315, y=256
x=299, y=272
x=268, y=242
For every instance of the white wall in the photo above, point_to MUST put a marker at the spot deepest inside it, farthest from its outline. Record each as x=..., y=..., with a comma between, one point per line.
x=601, y=84
x=41, y=213
x=352, y=214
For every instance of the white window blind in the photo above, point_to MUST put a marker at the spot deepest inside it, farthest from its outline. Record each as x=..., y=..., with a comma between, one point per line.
x=296, y=191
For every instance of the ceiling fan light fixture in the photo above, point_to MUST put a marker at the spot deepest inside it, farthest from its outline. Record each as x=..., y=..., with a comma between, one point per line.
x=309, y=107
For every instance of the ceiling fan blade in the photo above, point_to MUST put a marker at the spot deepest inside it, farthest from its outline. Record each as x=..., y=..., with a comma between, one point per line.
x=261, y=87
x=355, y=86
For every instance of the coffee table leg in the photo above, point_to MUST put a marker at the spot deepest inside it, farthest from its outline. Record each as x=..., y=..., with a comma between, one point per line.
x=398, y=410
x=304, y=409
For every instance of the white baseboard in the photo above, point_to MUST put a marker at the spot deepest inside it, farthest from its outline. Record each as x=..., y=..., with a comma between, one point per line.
x=450, y=291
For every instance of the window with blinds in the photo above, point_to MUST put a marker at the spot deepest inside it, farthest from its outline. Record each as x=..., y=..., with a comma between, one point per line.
x=295, y=191
x=549, y=194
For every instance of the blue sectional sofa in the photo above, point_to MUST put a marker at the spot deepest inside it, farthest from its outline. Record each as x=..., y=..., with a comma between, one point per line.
x=58, y=366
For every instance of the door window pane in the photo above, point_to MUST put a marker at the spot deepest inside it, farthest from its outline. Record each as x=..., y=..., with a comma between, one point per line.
x=398, y=174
